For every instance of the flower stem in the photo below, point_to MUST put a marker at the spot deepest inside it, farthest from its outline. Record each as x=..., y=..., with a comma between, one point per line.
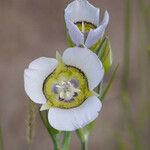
x=55, y=142
x=67, y=140
x=85, y=145
x=83, y=136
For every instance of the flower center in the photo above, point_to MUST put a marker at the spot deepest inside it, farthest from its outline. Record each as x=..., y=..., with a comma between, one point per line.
x=66, y=90
x=66, y=87
x=85, y=28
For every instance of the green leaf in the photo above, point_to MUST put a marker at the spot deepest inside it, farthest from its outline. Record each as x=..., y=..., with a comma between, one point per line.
x=104, y=53
x=44, y=117
x=109, y=84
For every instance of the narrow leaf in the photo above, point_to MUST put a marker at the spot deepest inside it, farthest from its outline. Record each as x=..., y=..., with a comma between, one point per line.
x=30, y=121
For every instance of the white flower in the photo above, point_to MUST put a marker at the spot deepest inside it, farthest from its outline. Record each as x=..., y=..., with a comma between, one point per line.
x=81, y=11
x=65, y=87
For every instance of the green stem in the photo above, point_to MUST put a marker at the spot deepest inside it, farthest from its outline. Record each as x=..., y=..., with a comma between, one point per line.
x=83, y=136
x=67, y=140
x=55, y=140
x=84, y=145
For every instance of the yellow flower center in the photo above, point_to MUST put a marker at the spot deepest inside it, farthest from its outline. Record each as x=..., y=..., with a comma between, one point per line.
x=66, y=87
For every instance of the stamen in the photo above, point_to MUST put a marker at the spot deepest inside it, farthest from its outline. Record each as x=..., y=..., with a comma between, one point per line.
x=75, y=83
x=66, y=90
x=54, y=89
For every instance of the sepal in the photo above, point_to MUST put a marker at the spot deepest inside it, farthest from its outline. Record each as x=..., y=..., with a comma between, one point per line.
x=44, y=117
x=105, y=54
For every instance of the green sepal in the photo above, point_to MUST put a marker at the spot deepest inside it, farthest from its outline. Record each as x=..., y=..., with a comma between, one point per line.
x=69, y=41
x=44, y=117
x=96, y=46
x=59, y=58
x=109, y=84
x=105, y=54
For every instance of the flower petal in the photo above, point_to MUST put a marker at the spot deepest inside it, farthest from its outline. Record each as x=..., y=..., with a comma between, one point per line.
x=33, y=85
x=86, y=61
x=34, y=77
x=44, y=65
x=96, y=34
x=82, y=10
x=72, y=119
x=75, y=34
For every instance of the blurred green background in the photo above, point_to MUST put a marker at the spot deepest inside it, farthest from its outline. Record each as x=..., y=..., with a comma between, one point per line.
x=34, y=28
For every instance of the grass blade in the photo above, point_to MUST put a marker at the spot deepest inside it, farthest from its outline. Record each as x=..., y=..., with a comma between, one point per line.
x=30, y=122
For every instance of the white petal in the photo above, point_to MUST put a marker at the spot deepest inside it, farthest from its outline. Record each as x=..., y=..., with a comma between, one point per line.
x=82, y=10
x=75, y=34
x=34, y=77
x=44, y=65
x=96, y=34
x=86, y=61
x=72, y=119
x=33, y=84
x=105, y=19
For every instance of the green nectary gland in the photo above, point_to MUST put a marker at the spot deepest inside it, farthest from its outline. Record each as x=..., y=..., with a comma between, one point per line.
x=87, y=26
x=66, y=73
